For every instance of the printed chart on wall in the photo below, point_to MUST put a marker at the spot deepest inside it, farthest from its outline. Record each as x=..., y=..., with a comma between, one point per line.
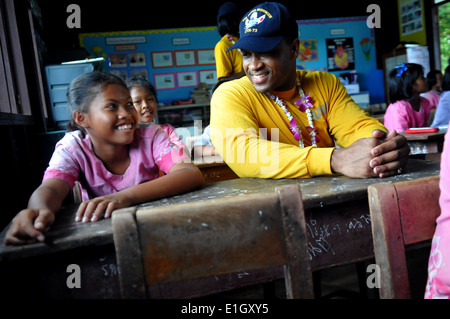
x=411, y=17
x=340, y=54
x=308, y=50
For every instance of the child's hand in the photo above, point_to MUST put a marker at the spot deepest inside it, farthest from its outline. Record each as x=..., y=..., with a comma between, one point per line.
x=28, y=226
x=91, y=210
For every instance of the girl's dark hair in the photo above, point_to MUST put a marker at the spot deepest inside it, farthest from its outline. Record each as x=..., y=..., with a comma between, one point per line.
x=401, y=83
x=446, y=79
x=432, y=79
x=229, y=24
x=228, y=18
x=142, y=82
x=82, y=91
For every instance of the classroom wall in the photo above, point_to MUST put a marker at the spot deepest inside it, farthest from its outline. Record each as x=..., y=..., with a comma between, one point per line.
x=349, y=34
x=168, y=57
x=176, y=60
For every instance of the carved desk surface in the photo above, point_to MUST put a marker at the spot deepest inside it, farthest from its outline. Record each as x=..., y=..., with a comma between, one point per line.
x=336, y=208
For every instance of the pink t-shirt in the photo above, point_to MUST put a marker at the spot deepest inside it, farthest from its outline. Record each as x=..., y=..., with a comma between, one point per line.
x=74, y=160
x=174, y=138
x=438, y=284
x=433, y=97
x=400, y=115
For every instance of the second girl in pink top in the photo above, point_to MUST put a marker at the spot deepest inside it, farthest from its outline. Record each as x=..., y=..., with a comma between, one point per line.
x=407, y=109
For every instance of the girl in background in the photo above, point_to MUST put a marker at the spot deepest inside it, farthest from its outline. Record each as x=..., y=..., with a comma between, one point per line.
x=442, y=116
x=407, y=109
x=116, y=163
x=434, y=79
x=228, y=63
x=145, y=102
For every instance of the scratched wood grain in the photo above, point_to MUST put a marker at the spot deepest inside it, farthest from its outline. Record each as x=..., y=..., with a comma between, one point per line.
x=317, y=192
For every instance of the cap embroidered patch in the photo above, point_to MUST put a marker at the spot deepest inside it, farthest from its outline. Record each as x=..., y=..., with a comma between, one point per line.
x=252, y=21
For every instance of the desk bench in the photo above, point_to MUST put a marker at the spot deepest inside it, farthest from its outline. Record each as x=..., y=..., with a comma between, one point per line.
x=337, y=217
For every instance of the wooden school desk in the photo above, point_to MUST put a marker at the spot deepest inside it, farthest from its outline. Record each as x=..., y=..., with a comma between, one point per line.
x=337, y=216
x=425, y=143
x=214, y=169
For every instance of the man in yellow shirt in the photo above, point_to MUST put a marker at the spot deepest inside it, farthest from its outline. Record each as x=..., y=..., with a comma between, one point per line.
x=279, y=122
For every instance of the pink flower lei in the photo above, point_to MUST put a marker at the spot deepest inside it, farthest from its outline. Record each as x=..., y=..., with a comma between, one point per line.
x=304, y=104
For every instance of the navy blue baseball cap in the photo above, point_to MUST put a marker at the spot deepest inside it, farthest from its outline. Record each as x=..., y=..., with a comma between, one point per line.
x=228, y=7
x=263, y=28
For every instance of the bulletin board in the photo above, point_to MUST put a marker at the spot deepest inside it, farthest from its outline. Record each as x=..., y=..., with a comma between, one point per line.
x=339, y=46
x=412, y=21
x=177, y=60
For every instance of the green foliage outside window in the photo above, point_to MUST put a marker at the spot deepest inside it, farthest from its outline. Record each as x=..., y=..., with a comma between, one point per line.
x=444, y=26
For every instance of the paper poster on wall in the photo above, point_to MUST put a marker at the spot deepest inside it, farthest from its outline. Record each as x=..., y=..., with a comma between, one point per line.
x=137, y=59
x=411, y=17
x=162, y=59
x=118, y=60
x=206, y=57
x=340, y=54
x=308, y=51
x=419, y=55
x=187, y=79
x=164, y=81
x=184, y=58
x=366, y=44
x=208, y=76
x=120, y=73
x=139, y=72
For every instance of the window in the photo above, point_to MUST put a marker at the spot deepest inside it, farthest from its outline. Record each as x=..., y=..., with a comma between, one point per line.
x=14, y=97
x=441, y=31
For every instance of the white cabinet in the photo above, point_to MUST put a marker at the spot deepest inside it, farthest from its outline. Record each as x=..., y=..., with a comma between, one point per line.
x=361, y=98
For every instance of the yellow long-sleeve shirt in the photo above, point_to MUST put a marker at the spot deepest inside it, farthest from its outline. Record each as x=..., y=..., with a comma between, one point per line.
x=252, y=133
x=227, y=63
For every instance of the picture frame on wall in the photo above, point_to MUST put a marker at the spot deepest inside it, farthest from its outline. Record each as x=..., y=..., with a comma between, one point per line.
x=206, y=57
x=164, y=81
x=185, y=58
x=162, y=59
x=123, y=74
x=340, y=54
x=118, y=60
x=187, y=79
x=139, y=72
x=137, y=59
x=208, y=76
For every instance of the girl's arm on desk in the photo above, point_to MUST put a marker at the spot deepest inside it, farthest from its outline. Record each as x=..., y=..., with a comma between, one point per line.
x=29, y=225
x=181, y=178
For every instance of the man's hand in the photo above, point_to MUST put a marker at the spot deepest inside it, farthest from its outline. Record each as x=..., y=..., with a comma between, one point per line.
x=381, y=155
x=391, y=155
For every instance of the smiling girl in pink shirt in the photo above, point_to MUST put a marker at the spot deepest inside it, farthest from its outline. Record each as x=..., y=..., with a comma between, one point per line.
x=116, y=163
